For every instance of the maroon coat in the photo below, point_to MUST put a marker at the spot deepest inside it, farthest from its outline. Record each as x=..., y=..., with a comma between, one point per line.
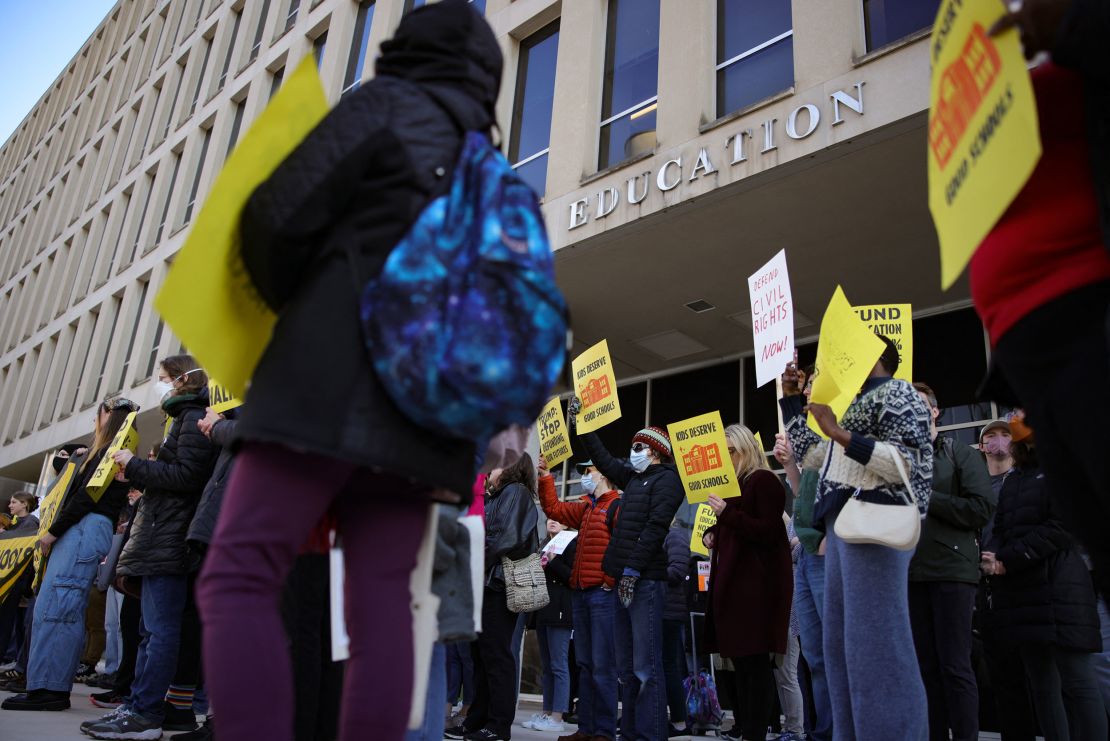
x=751, y=581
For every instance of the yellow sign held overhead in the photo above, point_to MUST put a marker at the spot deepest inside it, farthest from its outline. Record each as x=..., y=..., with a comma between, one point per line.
x=126, y=437
x=596, y=385
x=703, y=520
x=220, y=398
x=701, y=454
x=554, y=440
x=984, y=139
x=207, y=298
x=895, y=321
x=846, y=354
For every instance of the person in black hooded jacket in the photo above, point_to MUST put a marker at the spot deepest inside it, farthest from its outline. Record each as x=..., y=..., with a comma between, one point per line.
x=319, y=428
x=637, y=559
x=1041, y=601
x=155, y=552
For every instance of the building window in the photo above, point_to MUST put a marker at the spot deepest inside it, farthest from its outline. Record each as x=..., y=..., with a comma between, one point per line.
x=291, y=16
x=139, y=308
x=200, y=77
x=631, y=81
x=359, y=41
x=411, y=5
x=275, y=81
x=168, y=198
x=236, y=124
x=230, y=50
x=535, y=91
x=319, y=46
x=887, y=21
x=178, y=82
x=195, y=187
x=256, y=45
x=755, y=52
x=95, y=389
x=148, y=192
x=155, y=347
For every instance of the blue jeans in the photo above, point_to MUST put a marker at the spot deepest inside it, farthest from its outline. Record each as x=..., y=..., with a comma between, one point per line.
x=555, y=655
x=639, y=650
x=163, y=602
x=594, y=611
x=460, y=674
x=437, y=697
x=674, y=668
x=809, y=606
x=1101, y=660
x=113, y=640
x=59, y=625
x=874, y=679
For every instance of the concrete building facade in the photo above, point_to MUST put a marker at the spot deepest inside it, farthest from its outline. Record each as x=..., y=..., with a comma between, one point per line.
x=677, y=144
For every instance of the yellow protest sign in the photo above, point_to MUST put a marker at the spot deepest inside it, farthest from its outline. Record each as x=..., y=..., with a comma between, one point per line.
x=984, y=140
x=596, y=385
x=703, y=520
x=701, y=454
x=126, y=437
x=48, y=511
x=895, y=321
x=16, y=554
x=846, y=354
x=207, y=299
x=554, y=440
x=220, y=398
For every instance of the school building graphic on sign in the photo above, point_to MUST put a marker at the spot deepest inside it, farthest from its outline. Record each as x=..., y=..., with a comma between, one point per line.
x=702, y=458
x=594, y=391
x=962, y=88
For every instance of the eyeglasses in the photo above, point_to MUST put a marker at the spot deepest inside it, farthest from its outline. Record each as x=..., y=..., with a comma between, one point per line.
x=731, y=450
x=112, y=405
x=640, y=447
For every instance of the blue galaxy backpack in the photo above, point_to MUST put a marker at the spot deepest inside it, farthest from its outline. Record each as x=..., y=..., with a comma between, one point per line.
x=465, y=325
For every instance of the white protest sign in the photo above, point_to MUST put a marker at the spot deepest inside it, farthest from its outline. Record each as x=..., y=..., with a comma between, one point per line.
x=772, y=318
x=559, y=543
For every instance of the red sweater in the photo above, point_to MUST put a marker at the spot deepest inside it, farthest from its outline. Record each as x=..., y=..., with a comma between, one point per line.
x=1048, y=243
x=592, y=522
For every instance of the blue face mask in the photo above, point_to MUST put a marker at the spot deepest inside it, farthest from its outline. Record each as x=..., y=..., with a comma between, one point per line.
x=589, y=485
x=640, y=460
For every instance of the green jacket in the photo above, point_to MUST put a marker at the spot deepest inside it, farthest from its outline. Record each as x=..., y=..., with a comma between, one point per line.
x=961, y=504
x=809, y=536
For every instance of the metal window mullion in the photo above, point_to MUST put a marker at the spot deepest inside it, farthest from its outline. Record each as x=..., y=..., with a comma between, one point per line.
x=633, y=109
x=535, y=156
x=755, y=49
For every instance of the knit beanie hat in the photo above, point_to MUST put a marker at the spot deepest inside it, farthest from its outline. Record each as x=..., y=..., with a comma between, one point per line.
x=656, y=438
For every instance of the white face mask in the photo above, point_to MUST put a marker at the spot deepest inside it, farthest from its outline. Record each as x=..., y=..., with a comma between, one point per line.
x=163, y=388
x=588, y=484
x=639, y=460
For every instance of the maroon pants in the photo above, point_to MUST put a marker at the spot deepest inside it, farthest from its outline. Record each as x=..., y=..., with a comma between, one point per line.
x=275, y=497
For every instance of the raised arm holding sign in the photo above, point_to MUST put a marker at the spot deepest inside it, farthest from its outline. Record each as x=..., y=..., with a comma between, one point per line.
x=596, y=385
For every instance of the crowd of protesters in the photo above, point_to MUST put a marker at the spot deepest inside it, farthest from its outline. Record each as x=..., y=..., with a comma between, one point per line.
x=196, y=582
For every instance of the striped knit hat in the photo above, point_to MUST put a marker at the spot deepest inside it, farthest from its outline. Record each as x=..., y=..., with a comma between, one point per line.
x=656, y=438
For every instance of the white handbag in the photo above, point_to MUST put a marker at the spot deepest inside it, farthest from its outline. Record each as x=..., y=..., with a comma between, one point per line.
x=896, y=526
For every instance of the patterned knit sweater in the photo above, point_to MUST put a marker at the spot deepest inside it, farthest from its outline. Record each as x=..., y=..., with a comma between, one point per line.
x=888, y=420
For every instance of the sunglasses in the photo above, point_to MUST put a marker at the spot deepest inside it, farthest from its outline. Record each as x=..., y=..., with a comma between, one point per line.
x=114, y=404
x=640, y=447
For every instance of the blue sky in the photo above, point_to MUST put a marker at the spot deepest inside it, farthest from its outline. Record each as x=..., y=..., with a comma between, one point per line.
x=37, y=40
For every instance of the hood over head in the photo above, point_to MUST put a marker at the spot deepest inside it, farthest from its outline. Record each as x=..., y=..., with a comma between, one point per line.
x=446, y=42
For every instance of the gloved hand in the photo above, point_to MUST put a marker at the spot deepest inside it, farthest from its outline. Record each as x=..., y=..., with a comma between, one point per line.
x=625, y=589
x=573, y=407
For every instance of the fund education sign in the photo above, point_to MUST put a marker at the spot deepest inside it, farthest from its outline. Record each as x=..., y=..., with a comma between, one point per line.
x=741, y=146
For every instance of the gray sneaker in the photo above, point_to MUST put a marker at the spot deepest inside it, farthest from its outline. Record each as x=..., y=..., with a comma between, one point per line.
x=110, y=715
x=127, y=725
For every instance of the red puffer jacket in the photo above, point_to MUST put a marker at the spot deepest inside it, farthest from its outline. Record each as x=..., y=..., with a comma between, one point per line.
x=591, y=519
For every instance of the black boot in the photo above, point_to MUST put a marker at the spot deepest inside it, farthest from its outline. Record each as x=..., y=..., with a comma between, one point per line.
x=38, y=700
x=206, y=732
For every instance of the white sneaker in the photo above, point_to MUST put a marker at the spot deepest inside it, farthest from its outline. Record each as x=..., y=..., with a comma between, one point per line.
x=531, y=722
x=547, y=723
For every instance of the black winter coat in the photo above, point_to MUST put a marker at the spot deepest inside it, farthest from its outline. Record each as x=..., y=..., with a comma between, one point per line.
x=511, y=522
x=172, y=486
x=961, y=504
x=322, y=225
x=1046, y=594
x=677, y=544
x=648, y=504
x=203, y=525
x=559, y=612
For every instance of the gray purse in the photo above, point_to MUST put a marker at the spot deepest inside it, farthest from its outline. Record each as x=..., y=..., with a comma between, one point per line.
x=525, y=584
